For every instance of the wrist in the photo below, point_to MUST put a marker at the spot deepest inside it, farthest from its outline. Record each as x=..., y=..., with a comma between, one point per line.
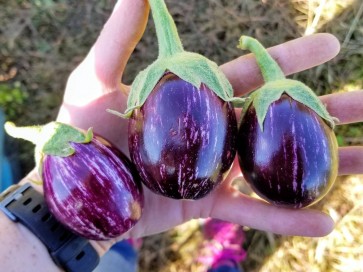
x=23, y=249
x=25, y=205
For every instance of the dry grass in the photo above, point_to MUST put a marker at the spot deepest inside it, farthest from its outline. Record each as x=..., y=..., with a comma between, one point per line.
x=42, y=41
x=342, y=250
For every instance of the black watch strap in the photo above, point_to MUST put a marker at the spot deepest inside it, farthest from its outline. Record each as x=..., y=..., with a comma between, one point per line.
x=25, y=205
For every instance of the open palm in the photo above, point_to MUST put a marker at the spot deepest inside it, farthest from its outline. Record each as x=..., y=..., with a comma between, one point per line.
x=94, y=86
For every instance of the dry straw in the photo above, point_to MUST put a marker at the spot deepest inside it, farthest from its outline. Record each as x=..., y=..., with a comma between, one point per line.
x=342, y=250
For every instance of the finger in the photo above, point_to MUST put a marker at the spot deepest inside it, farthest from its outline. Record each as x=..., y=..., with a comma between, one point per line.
x=350, y=160
x=118, y=39
x=292, y=56
x=347, y=107
x=247, y=211
x=101, y=71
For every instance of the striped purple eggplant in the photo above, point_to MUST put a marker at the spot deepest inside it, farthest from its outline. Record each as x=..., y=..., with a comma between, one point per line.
x=182, y=128
x=293, y=161
x=182, y=140
x=286, y=146
x=89, y=185
x=95, y=192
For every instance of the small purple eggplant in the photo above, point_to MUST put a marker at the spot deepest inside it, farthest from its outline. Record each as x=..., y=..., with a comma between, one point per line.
x=183, y=127
x=182, y=140
x=89, y=185
x=293, y=161
x=286, y=146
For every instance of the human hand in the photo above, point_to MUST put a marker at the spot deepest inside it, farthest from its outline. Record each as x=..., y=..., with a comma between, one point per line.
x=94, y=86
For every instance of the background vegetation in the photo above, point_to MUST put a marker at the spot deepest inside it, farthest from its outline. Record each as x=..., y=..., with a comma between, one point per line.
x=41, y=41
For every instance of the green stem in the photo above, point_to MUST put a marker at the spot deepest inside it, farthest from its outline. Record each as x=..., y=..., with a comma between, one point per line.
x=166, y=31
x=270, y=70
x=53, y=138
x=29, y=133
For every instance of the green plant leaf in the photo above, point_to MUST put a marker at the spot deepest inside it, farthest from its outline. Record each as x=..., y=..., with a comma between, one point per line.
x=59, y=136
x=143, y=84
x=262, y=100
x=191, y=67
x=272, y=91
x=303, y=94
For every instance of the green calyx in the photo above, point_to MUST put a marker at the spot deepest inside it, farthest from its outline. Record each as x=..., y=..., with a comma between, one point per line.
x=190, y=67
x=277, y=84
x=52, y=138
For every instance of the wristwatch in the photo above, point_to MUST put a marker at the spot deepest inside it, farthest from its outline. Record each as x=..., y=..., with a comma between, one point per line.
x=70, y=252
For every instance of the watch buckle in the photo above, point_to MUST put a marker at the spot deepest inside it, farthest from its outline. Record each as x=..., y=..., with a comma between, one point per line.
x=11, y=194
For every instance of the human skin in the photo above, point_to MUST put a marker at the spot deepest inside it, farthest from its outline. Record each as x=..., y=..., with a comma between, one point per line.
x=94, y=86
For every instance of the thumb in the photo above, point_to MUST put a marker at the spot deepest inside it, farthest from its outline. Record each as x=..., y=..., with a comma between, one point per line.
x=101, y=71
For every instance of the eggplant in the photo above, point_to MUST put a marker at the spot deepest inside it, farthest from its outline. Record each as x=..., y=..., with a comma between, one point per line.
x=183, y=127
x=183, y=139
x=93, y=192
x=286, y=146
x=89, y=185
x=291, y=162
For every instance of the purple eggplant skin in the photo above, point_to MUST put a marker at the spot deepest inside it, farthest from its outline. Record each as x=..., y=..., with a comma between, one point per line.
x=293, y=162
x=96, y=192
x=183, y=139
